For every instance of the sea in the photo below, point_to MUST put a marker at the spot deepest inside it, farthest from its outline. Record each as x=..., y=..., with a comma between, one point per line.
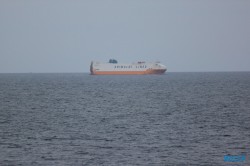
x=178, y=118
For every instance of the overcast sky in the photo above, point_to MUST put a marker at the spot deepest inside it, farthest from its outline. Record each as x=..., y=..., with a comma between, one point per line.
x=65, y=35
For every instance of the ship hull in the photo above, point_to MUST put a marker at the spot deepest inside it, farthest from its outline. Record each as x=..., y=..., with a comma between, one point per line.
x=158, y=71
x=139, y=68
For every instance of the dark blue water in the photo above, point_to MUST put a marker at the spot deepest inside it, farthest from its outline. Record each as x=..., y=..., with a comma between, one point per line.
x=79, y=119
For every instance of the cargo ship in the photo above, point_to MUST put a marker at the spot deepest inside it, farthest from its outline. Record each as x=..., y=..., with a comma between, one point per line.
x=112, y=67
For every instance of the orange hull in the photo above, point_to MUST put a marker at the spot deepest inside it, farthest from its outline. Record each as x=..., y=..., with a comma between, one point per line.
x=159, y=71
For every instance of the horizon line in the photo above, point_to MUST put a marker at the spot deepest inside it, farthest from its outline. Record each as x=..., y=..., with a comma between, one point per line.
x=89, y=72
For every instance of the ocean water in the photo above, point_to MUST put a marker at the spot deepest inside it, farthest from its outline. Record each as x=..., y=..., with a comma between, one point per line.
x=79, y=119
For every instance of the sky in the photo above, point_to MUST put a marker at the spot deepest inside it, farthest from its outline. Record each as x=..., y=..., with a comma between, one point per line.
x=66, y=35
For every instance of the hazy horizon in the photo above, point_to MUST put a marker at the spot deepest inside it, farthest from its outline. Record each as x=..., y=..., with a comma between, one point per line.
x=65, y=36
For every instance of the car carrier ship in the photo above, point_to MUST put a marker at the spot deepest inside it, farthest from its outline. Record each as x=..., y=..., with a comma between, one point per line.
x=114, y=68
